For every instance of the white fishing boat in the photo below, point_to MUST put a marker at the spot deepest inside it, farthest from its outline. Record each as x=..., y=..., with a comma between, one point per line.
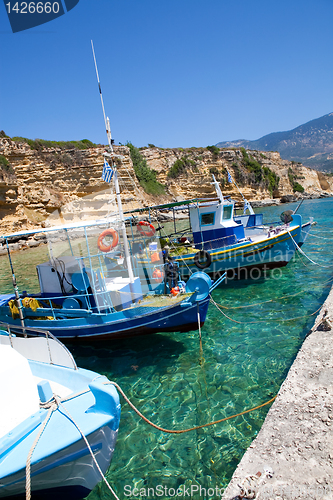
x=216, y=240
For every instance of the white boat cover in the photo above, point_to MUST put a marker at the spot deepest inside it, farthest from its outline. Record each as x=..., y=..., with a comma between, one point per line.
x=18, y=390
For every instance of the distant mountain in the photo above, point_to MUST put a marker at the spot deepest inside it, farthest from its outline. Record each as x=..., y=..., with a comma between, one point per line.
x=310, y=144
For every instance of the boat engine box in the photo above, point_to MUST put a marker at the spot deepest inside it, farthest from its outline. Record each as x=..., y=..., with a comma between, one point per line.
x=123, y=293
x=55, y=276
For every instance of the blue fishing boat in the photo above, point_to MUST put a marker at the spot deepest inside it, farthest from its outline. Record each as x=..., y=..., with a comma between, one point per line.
x=93, y=287
x=216, y=240
x=58, y=423
x=80, y=298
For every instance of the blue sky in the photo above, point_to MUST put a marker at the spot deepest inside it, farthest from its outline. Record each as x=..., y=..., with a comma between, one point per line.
x=176, y=73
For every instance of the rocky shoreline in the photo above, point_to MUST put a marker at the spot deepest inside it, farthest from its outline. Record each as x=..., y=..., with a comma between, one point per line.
x=23, y=242
x=289, y=199
x=291, y=458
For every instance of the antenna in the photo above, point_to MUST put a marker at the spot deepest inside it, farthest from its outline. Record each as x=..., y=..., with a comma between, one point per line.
x=115, y=177
x=106, y=119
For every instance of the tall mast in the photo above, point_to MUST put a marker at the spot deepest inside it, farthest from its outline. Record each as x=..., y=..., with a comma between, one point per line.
x=112, y=156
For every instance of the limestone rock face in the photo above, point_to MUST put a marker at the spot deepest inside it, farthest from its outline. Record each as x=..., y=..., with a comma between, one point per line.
x=196, y=180
x=38, y=183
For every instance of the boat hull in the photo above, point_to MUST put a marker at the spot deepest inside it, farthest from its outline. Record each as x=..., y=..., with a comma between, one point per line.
x=69, y=474
x=180, y=317
x=304, y=233
x=269, y=253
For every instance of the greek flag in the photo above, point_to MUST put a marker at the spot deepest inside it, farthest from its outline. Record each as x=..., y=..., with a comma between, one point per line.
x=229, y=177
x=107, y=172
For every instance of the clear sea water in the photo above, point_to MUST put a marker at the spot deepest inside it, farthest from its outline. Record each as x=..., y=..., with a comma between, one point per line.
x=246, y=354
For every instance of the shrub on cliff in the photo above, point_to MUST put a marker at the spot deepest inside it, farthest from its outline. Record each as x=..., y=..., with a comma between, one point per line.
x=181, y=166
x=145, y=175
x=5, y=165
x=272, y=179
x=40, y=144
x=262, y=175
x=3, y=162
x=294, y=184
x=213, y=149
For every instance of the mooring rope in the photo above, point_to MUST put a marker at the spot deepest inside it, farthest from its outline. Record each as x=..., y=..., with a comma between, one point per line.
x=320, y=237
x=54, y=403
x=301, y=251
x=52, y=408
x=264, y=320
x=263, y=302
x=90, y=451
x=200, y=337
x=255, y=304
x=320, y=231
x=181, y=431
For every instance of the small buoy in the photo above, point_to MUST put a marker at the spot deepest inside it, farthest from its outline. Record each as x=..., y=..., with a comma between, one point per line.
x=155, y=257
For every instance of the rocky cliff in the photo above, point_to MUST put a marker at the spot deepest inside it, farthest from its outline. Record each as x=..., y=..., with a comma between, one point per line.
x=34, y=184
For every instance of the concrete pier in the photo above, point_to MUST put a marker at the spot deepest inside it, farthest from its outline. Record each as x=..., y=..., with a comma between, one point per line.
x=293, y=451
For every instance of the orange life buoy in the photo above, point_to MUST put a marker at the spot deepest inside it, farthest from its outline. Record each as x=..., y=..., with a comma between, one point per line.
x=141, y=228
x=158, y=275
x=114, y=242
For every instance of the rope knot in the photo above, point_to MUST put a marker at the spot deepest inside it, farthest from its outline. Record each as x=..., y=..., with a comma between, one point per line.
x=51, y=403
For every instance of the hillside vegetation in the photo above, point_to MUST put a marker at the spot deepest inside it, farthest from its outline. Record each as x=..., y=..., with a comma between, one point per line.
x=310, y=143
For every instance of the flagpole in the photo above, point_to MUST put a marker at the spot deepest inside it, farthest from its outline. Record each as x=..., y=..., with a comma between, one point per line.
x=246, y=203
x=115, y=177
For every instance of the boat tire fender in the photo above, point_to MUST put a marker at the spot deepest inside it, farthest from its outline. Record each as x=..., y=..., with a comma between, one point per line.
x=141, y=227
x=115, y=239
x=202, y=259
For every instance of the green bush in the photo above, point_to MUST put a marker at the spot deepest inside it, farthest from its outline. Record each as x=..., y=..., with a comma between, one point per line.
x=298, y=188
x=5, y=165
x=252, y=166
x=181, y=166
x=145, y=175
x=40, y=144
x=294, y=184
x=272, y=179
x=3, y=162
x=213, y=149
x=262, y=175
x=214, y=171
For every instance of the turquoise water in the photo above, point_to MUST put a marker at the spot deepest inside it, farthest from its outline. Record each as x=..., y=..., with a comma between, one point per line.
x=246, y=354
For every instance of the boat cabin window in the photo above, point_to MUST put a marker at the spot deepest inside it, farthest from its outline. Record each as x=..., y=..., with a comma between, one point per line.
x=207, y=219
x=227, y=212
